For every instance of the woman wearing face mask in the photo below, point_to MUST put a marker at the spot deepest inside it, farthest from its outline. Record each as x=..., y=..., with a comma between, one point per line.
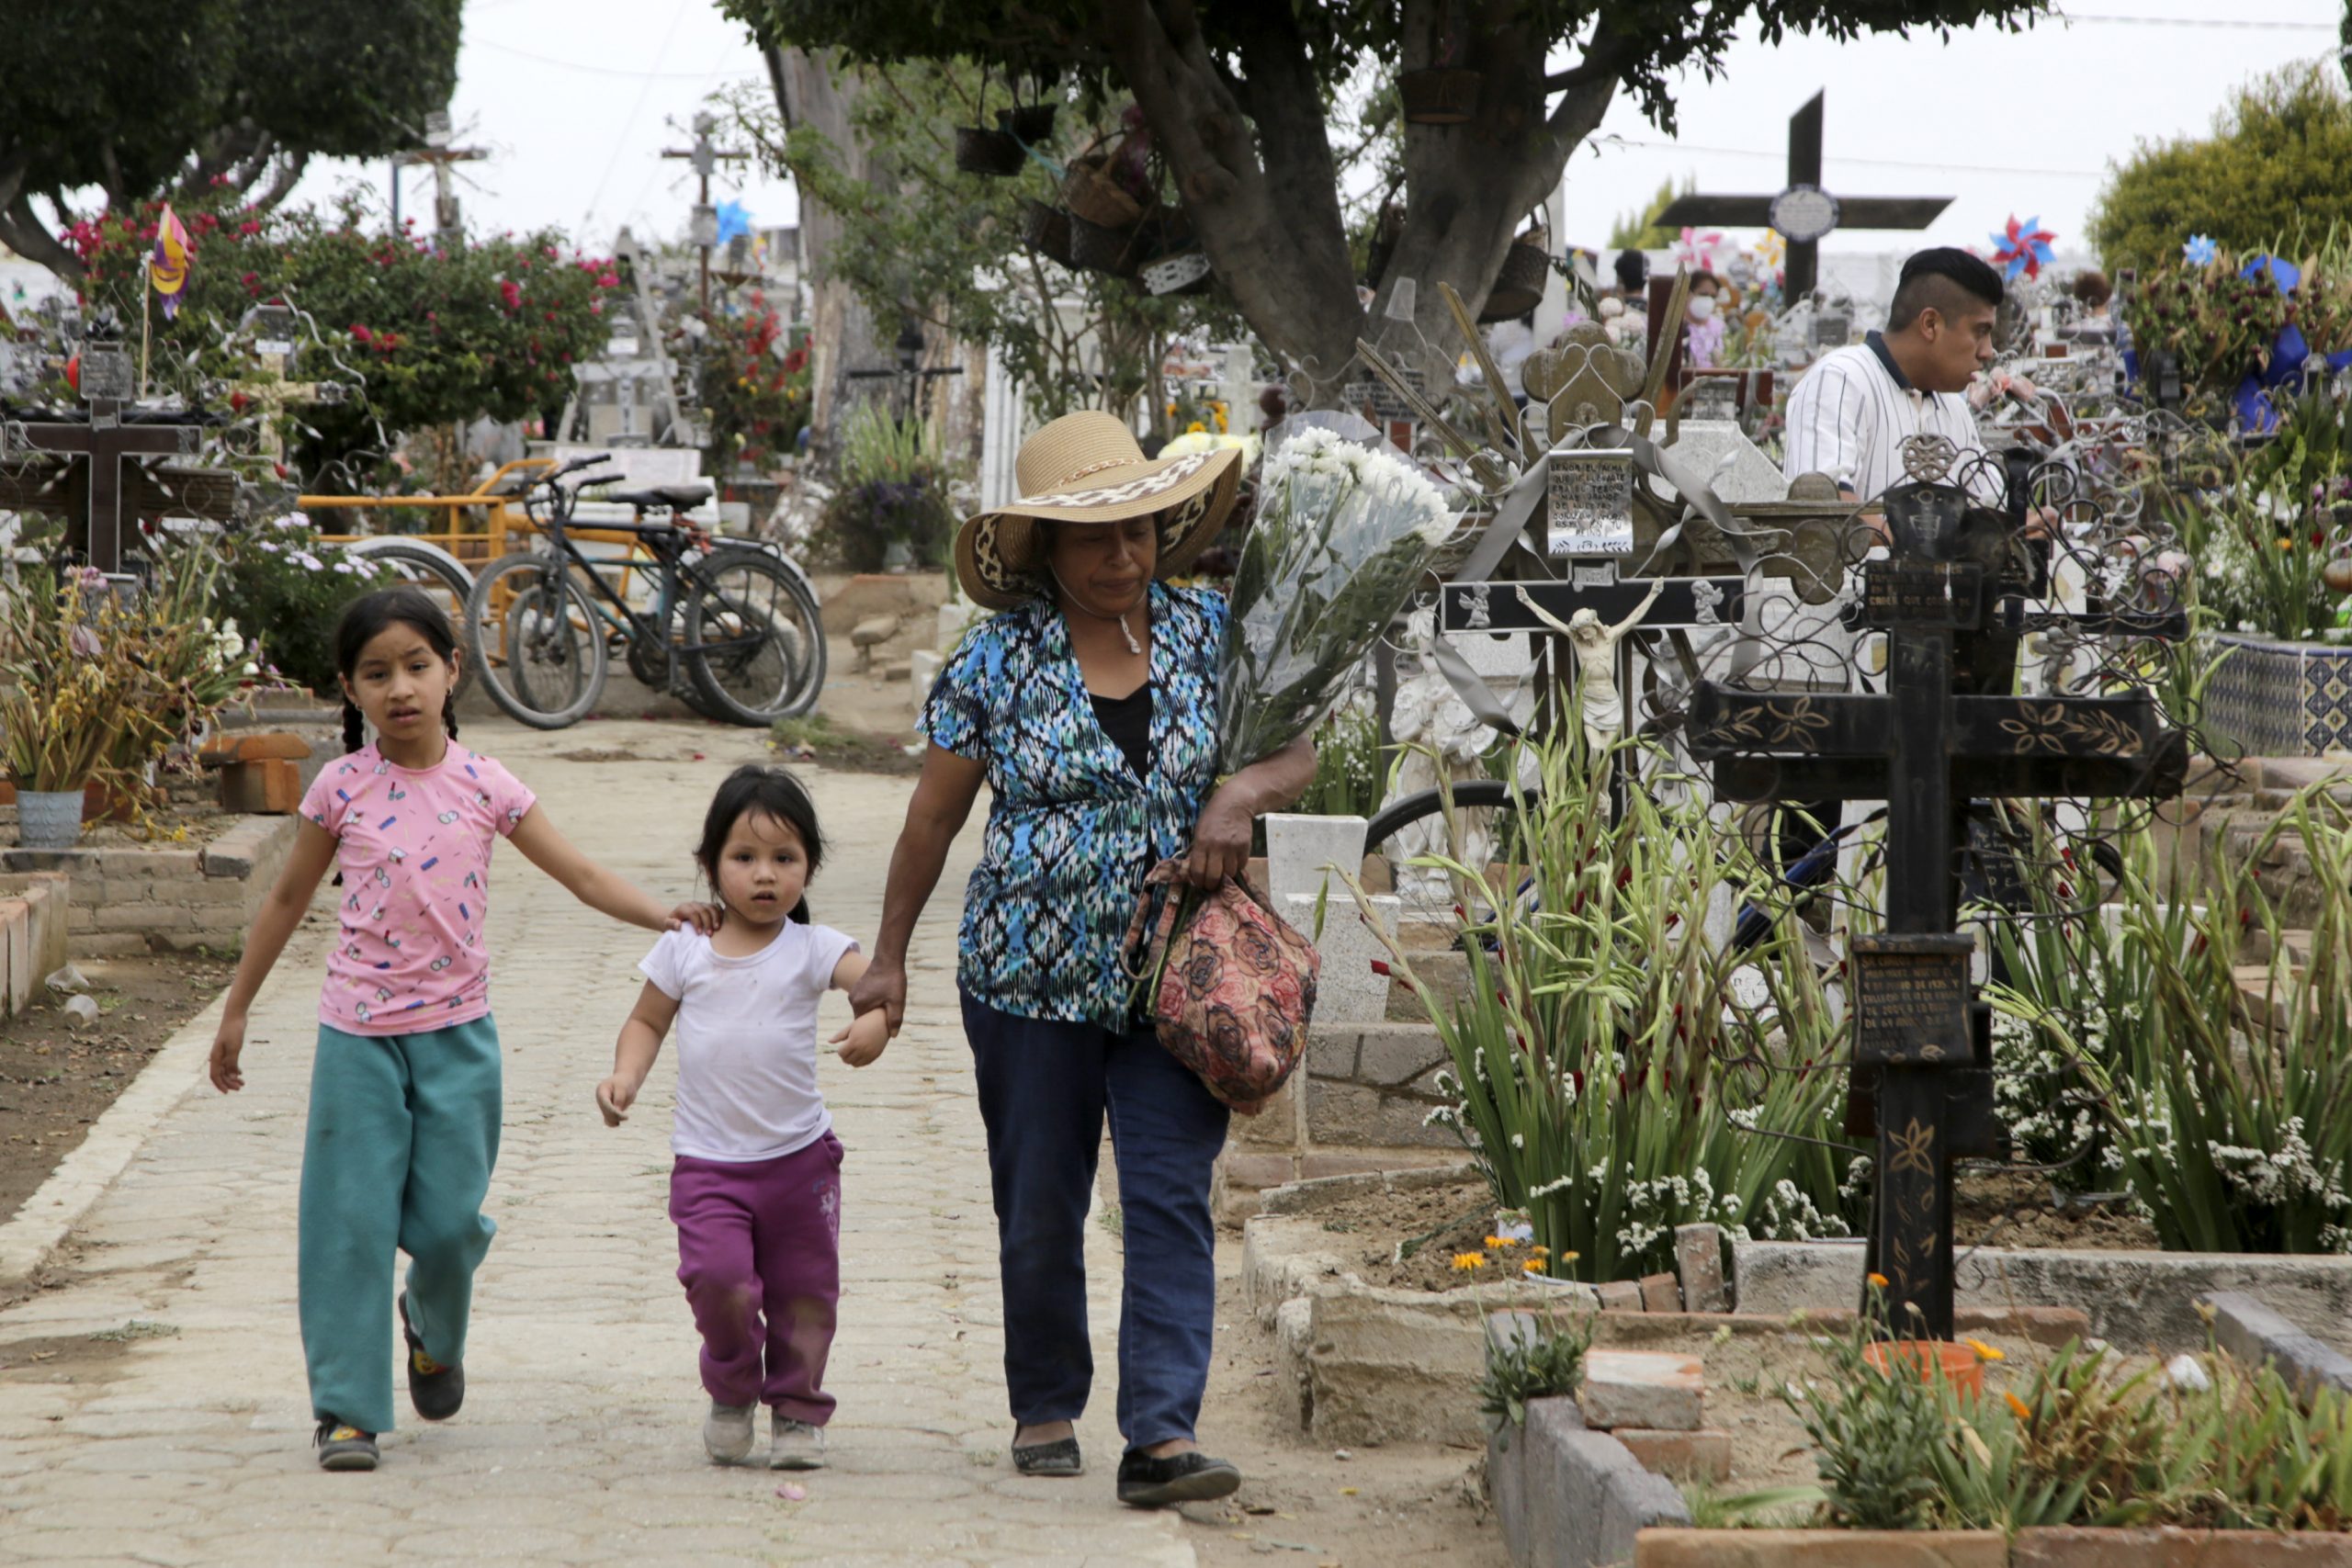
x=1702, y=339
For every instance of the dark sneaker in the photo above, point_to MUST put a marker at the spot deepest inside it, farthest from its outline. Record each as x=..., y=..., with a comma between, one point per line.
x=1193, y=1477
x=1058, y=1458
x=437, y=1391
x=345, y=1447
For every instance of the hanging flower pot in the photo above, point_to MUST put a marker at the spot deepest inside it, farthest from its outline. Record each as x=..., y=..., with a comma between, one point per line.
x=1032, y=123
x=1519, y=286
x=979, y=152
x=1443, y=95
x=1045, y=229
x=1099, y=248
x=1092, y=192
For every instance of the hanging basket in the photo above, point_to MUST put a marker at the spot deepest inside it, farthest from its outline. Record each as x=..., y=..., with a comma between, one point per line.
x=1519, y=286
x=1440, y=96
x=1098, y=248
x=1032, y=123
x=1091, y=193
x=1045, y=229
x=979, y=152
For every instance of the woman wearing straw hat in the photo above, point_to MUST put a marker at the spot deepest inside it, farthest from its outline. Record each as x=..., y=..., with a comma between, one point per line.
x=1088, y=706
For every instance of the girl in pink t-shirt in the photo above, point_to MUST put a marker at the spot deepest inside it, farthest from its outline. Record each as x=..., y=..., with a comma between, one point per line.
x=404, y=1088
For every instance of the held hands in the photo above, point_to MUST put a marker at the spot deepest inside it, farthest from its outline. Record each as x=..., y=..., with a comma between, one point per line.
x=228, y=1044
x=704, y=918
x=881, y=990
x=861, y=1043
x=614, y=1096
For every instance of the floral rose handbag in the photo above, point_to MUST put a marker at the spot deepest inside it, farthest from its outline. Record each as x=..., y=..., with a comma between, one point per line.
x=1231, y=987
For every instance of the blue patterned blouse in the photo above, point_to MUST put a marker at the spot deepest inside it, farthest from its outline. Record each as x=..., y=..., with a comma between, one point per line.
x=1072, y=829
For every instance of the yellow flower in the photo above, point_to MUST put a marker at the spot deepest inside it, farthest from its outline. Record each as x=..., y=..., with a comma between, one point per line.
x=1878, y=1281
x=1499, y=1242
x=1532, y=1266
x=1465, y=1261
x=1986, y=1353
x=2018, y=1408
x=1570, y=1257
x=1544, y=1251
x=1196, y=428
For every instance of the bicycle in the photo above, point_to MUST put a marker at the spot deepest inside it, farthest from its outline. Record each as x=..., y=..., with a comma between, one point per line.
x=736, y=619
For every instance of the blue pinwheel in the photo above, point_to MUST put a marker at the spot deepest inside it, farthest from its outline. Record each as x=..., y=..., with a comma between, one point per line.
x=2022, y=248
x=2201, y=250
x=733, y=219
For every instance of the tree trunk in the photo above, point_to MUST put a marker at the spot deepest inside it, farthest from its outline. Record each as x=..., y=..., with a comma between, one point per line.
x=22, y=231
x=1254, y=167
x=843, y=332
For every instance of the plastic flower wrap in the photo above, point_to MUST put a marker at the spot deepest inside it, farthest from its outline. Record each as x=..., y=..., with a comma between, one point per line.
x=1342, y=535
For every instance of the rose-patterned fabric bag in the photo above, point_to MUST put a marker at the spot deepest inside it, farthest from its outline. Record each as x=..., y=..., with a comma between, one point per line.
x=1231, y=987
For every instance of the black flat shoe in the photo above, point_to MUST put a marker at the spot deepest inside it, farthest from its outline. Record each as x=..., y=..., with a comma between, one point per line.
x=437, y=1391
x=1193, y=1477
x=1058, y=1458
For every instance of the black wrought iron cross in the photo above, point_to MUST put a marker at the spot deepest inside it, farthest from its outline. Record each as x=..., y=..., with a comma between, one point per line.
x=105, y=443
x=1943, y=732
x=1804, y=212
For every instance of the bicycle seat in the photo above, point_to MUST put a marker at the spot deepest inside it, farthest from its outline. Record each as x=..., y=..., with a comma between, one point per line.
x=680, y=498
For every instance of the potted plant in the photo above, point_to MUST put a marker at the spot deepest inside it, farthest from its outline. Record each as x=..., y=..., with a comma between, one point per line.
x=61, y=719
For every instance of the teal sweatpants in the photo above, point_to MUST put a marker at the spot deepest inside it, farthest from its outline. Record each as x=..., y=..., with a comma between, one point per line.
x=402, y=1136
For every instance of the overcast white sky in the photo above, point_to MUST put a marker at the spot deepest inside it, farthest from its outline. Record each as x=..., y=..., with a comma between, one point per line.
x=575, y=99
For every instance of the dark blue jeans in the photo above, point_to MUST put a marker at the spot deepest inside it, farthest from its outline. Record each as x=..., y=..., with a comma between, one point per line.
x=1044, y=1089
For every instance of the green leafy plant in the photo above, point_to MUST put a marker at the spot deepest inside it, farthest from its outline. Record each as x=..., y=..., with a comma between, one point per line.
x=2221, y=325
x=1539, y=1358
x=2262, y=537
x=893, y=492
x=1606, y=1073
x=288, y=583
x=1347, y=780
x=754, y=388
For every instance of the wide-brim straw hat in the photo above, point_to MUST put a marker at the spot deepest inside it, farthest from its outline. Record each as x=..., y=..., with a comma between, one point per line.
x=1086, y=468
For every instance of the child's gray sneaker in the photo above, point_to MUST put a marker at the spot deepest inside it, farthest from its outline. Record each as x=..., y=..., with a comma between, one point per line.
x=728, y=1431
x=796, y=1444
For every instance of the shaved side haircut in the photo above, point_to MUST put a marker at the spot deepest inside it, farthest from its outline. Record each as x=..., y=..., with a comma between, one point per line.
x=1945, y=281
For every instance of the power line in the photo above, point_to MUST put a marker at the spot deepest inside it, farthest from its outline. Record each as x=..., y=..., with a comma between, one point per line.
x=635, y=109
x=2228, y=22
x=599, y=70
x=1871, y=162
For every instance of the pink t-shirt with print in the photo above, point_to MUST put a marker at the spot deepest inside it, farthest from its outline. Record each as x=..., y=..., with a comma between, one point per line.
x=415, y=848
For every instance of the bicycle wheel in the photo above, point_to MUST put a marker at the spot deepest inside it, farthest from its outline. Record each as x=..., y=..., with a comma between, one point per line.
x=1483, y=831
x=438, y=574
x=751, y=637
x=537, y=639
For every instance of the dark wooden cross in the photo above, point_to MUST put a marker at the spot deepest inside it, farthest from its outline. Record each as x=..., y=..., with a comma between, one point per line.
x=104, y=443
x=1945, y=731
x=1803, y=212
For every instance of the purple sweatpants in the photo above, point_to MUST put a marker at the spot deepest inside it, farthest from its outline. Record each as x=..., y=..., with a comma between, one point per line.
x=759, y=1253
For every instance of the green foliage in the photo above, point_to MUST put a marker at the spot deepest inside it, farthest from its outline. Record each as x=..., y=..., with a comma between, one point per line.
x=1347, y=765
x=922, y=236
x=2262, y=528
x=2219, y=323
x=133, y=99
x=1640, y=230
x=2083, y=1442
x=1542, y=1358
x=1605, y=1075
x=289, y=586
x=427, y=336
x=755, y=389
x=893, y=492
x=2279, y=161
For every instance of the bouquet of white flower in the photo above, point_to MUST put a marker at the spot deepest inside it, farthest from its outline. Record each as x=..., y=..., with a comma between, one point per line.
x=1342, y=535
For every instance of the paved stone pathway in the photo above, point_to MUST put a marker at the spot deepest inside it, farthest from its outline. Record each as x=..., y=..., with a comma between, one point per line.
x=580, y=1440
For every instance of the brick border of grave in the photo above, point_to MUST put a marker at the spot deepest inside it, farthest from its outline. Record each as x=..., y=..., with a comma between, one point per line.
x=2130, y=1298
x=167, y=897
x=1569, y=1497
x=2065, y=1547
x=33, y=918
x=1361, y=1363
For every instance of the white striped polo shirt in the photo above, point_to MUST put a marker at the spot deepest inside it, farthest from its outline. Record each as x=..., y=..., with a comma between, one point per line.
x=1850, y=414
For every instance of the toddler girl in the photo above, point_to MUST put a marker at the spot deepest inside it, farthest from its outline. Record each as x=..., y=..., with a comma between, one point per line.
x=404, y=1086
x=755, y=1189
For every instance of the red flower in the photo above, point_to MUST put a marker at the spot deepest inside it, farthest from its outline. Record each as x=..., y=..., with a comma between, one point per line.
x=608, y=280
x=249, y=228
x=361, y=335
x=512, y=292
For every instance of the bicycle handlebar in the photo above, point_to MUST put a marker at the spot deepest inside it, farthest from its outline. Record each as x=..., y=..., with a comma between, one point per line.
x=573, y=467
x=600, y=479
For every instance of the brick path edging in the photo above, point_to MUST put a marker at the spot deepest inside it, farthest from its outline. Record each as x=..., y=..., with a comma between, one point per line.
x=2162, y=1547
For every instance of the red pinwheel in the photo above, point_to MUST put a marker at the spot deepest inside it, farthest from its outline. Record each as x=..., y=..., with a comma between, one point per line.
x=2022, y=248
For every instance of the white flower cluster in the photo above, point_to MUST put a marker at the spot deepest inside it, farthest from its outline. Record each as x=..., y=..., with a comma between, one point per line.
x=1787, y=1214
x=1391, y=484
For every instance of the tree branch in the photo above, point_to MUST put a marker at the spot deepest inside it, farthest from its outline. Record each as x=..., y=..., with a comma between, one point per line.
x=281, y=185
x=22, y=231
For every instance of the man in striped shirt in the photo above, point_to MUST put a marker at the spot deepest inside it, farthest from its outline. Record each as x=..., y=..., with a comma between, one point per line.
x=1850, y=414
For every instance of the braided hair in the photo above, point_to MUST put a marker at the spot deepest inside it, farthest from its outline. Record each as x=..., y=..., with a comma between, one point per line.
x=367, y=619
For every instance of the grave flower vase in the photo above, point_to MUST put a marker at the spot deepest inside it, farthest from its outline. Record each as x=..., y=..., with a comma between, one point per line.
x=2277, y=698
x=49, y=818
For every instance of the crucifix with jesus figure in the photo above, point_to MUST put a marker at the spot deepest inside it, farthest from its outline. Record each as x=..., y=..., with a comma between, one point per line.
x=1945, y=731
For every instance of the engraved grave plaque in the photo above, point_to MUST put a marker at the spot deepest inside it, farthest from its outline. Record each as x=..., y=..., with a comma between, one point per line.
x=1591, y=498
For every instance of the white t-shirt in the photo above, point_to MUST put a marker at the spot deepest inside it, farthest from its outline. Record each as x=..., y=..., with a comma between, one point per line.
x=1850, y=414
x=746, y=1037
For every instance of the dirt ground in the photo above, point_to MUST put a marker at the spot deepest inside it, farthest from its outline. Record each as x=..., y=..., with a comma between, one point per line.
x=1368, y=1507
x=55, y=1081
x=2000, y=1209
